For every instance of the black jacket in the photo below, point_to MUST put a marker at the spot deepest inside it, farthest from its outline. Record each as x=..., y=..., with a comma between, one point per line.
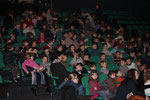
x=9, y=58
x=58, y=70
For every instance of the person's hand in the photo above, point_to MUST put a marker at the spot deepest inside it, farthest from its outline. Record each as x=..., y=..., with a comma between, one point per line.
x=27, y=72
x=38, y=70
x=95, y=88
x=66, y=79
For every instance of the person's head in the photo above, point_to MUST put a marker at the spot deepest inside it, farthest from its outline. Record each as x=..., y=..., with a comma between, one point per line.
x=103, y=56
x=117, y=54
x=48, y=11
x=72, y=28
x=138, y=62
x=97, y=6
x=94, y=76
x=86, y=57
x=46, y=49
x=103, y=64
x=132, y=74
x=105, y=46
x=92, y=66
x=64, y=57
x=44, y=59
x=70, y=34
x=59, y=56
x=50, y=42
x=9, y=47
x=116, y=46
x=42, y=34
x=118, y=73
x=128, y=60
x=123, y=62
x=94, y=46
x=82, y=47
x=29, y=56
x=12, y=36
x=63, y=42
x=142, y=67
x=73, y=77
x=17, y=26
x=76, y=54
x=95, y=40
x=94, y=35
x=120, y=41
x=82, y=35
x=111, y=74
x=59, y=47
x=33, y=43
x=72, y=48
x=83, y=13
x=78, y=66
x=132, y=54
x=31, y=26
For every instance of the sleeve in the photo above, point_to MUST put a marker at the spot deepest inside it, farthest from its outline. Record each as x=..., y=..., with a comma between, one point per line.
x=92, y=85
x=24, y=66
x=132, y=86
x=36, y=65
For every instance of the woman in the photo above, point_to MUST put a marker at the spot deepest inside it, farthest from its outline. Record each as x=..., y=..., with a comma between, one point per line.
x=128, y=86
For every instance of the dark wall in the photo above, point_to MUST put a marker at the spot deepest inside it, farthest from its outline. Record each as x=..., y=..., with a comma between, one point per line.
x=137, y=8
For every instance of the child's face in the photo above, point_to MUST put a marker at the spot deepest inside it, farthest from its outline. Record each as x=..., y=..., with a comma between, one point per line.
x=64, y=58
x=51, y=43
x=132, y=54
x=94, y=76
x=113, y=76
x=123, y=63
x=44, y=60
x=79, y=67
x=119, y=74
x=93, y=67
x=103, y=57
x=86, y=58
x=60, y=48
x=105, y=47
x=82, y=47
x=128, y=61
x=94, y=46
x=32, y=58
x=118, y=55
x=138, y=63
x=104, y=65
x=75, y=80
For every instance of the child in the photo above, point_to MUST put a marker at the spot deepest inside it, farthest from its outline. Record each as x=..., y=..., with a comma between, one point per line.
x=92, y=67
x=94, y=50
x=96, y=86
x=132, y=56
x=131, y=65
x=119, y=77
x=86, y=59
x=76, y=59
x=117, y=58
x=105, y=50
x=50, y=45
x=123, y=67
x=30, y=66
x=111, y=83
x=79, y=70
x=64, y=60
x=102, y=56
x=45, y=68
x=41, y=38
x=103, y=67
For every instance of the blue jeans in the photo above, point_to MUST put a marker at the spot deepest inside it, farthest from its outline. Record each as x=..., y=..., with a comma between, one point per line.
x=34, y=77
x=104, y=93
x=80, y=88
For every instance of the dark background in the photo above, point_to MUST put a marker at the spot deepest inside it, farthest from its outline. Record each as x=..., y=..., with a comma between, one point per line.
x=137, y=8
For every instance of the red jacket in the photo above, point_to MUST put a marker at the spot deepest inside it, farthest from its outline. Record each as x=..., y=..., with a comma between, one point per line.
x=94, y=84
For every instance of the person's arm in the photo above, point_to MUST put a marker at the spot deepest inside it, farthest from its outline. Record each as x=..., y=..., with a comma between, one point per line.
x=35, y=65
x=93, y=87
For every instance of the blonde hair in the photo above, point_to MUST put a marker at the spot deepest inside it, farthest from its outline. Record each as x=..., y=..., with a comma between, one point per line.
x=72, y=76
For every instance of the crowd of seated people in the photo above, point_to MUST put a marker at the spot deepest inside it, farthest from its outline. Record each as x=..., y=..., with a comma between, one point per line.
x=73, y=47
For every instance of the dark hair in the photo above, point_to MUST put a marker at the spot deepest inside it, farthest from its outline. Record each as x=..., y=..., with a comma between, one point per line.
x=130, y=76
x=110, y=73
x=92, y=72
x=123, y=60
x=92, y=64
